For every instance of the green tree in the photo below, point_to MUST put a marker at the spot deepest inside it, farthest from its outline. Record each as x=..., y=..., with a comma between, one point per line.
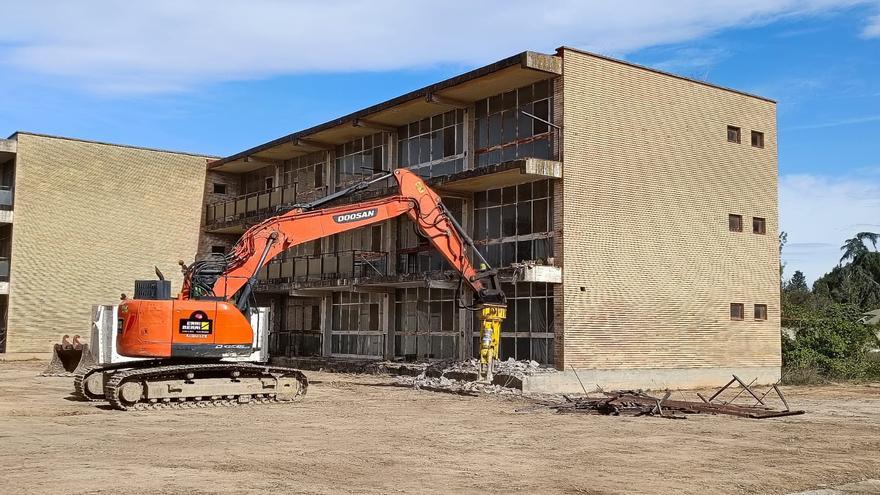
x=796, y=290
x=798, y=283
x=856, y=283
x=855, y=247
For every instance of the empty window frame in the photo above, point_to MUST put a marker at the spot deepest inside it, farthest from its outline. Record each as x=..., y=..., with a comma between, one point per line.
x=515, y=223
x=757, y=139
x=734, y=134
x=414, y=253
x=737, y=311
x=361, y=158
x=426, y=324
x=527, y=332
x=255, y=181
x=759, y=225
x=434, y=146
x=735, y=223
x=306, y=172
x=310, y=248
x=355, y=324
x=760, y=312
x=503, y=132
x=219, y=188
x=368, y=238
x=302, y=323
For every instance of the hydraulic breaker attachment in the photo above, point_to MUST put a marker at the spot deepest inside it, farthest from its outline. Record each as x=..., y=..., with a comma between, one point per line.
x=491, y=317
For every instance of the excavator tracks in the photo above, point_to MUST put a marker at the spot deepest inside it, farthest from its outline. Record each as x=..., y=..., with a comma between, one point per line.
x=186, y=386
x=88, y=383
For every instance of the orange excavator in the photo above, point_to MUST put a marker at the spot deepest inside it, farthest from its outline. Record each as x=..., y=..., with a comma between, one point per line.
x=197, y=345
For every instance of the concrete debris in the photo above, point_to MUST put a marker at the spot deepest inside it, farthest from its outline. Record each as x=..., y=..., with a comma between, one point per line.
x=459, y=377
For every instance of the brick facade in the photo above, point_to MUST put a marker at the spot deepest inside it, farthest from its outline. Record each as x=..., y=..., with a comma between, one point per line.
x=650, y=267
x=232, y=183
x=91, y=218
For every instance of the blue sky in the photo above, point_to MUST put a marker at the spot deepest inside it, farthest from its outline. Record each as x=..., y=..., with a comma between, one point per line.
x=186, y=76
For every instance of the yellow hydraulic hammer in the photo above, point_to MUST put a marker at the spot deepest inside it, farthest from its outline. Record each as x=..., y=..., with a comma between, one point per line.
x=491, y=317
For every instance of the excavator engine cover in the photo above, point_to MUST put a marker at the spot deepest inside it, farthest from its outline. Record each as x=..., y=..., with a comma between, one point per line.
x=182, y=329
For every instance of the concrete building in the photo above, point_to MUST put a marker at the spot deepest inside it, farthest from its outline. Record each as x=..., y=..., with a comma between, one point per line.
x=633, y=215
x=79, y=222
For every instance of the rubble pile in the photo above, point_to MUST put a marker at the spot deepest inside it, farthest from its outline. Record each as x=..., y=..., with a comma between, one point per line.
x=459, y=377
x=511, y=367
x=458, y=387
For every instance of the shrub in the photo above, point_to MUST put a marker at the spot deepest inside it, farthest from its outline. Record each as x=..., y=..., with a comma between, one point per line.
x=829, y=343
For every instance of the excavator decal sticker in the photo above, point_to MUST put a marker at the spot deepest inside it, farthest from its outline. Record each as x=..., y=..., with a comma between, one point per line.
x=197, y=324
x=355, y=216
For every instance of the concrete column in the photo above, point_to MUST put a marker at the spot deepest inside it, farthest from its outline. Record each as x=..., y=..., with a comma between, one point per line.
x=469, y=133
x=465, y=318
x=330, y=182
x=558, y=219
x=389, y=228
x=326, y=312
x=388, y=308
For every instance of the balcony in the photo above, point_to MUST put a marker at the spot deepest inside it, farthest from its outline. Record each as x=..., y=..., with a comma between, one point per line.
x=234, y=215
x=323, y=270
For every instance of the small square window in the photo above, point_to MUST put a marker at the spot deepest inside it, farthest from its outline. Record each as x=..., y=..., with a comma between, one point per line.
x=757, y=139
x=735, y=223
x=760, y=312
x=737, y=311
x=218, y=249
x=733, y=134
x=219, y=188
x=759, y=225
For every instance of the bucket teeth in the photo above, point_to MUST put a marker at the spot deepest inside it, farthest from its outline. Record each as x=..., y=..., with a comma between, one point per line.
x=68, y=357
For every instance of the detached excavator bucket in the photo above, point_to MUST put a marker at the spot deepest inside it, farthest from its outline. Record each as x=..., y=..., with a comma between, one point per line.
x=67, y=357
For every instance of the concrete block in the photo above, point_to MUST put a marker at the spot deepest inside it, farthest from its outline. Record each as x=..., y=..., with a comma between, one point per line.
x=542, y=273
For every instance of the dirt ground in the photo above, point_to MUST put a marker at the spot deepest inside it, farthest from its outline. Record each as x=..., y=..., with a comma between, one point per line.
x=358, y=434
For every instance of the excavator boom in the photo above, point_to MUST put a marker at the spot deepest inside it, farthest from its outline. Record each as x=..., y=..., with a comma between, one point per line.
x=423, y=206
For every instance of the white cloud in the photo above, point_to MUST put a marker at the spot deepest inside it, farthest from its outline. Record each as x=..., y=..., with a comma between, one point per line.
x=836, y=123
x=819, y=212
x=872, y=30
x=169, y=45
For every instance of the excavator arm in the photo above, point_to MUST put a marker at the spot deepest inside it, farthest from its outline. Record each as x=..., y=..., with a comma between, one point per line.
x=266, y=240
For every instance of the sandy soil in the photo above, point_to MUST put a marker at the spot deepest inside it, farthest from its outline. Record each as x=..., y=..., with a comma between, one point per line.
x=357, y=434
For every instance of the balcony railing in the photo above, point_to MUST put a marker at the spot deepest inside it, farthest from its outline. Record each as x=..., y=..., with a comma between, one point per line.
x=257, y=204
x=338, y=265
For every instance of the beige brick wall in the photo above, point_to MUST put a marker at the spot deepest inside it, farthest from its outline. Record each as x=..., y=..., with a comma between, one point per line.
x=649, y=181
x=89, y=220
